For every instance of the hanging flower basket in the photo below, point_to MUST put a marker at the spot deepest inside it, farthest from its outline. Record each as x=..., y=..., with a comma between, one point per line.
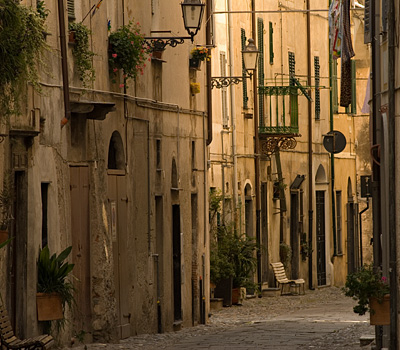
x=380, y=312
x=194, y=63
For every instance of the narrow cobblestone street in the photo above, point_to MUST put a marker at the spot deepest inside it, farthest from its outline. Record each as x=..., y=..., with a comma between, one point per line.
x=321, y=319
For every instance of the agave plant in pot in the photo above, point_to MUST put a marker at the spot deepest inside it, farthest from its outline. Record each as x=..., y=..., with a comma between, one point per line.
x=371, y=291
x=54, y=288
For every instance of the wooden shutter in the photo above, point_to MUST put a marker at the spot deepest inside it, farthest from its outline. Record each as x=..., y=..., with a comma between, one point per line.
x=367, y=22
x=71, y=9
x=335, y=106
x=271, y=43
x=317, y=92
x=260, y=30
x=225, y=117
x=244, y=73
x=353, y=87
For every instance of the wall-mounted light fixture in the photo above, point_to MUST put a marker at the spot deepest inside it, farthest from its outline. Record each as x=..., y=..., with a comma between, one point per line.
x=192, y=12
x=250, y=56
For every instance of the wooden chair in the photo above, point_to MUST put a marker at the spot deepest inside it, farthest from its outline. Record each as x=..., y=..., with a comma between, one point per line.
x=281, y=278
x=10, y=341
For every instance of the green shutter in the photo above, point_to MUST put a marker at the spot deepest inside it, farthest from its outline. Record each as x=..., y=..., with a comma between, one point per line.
x=335, y=106
x=294, y=108
x=271, y=43
x=292, y=68
x=244, y=73
x=317, y=92
x=353, y=88
x=71, y=9
x=260, y=29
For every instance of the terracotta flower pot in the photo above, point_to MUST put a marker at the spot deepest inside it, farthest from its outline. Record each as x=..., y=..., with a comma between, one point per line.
x=3, y=236
x=49, y=306
x=380, y=312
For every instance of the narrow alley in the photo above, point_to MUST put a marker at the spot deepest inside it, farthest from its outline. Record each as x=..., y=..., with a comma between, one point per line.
x=321, y=319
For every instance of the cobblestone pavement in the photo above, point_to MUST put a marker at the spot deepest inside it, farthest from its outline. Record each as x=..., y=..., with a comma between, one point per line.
x=320, y=320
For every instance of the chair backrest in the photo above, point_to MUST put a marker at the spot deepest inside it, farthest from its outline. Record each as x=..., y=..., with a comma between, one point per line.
x=279, y=272
x=6, y=331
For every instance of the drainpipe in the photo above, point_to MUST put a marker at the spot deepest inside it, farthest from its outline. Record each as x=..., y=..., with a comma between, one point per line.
x=64, y=63
x=333, y=199
x=310, y=155
x=256, y=158
x=233, y=112
x=208, y=73
x=375, y=140
x=392, y=175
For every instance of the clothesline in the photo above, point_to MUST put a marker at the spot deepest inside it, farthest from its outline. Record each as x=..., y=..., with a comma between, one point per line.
x=280, y=11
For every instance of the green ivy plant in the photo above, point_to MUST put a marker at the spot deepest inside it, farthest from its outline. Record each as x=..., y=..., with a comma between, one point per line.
x=128, y=52
x=365, y=284
x=21, y=44
x=83, y=56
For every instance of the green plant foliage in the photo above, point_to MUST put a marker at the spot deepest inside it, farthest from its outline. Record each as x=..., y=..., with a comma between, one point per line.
x=6, y=201
x=128, y=52
x=41, y=9
x=82, y=54
x=363, y=285
x=231, y=254
x=21, y=45
x=285, y=254
x=53, y=273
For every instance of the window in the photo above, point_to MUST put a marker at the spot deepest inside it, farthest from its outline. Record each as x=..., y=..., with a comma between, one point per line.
x=339, y=222
x=225, y=117
x=193, y=155
x=158, y=154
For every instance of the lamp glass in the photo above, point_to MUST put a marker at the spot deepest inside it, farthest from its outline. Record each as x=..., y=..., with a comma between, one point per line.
x=250, y=55
x=192, y=11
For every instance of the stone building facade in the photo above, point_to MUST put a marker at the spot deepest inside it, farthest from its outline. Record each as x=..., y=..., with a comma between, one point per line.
x=123, y=182
x=296, y=196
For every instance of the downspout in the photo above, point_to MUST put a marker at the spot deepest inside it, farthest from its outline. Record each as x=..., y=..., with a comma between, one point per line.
x=208, y=77
x=310, y=155
x=333, y=199
x=233, y=112
x=256, y=156
x=64, y=63
x=375, y=139
x=392, y=175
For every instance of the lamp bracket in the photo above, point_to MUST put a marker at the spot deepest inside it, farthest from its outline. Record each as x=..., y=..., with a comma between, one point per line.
x=159, y=43
x=223, y=82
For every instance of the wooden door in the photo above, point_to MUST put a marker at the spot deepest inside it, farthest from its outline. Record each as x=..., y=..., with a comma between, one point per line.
x=295, y=234
x=118, y=209
x=79, y=187
x=320, y=226
x=177, y=264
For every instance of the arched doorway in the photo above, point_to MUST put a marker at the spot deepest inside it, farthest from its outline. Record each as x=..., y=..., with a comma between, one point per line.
x=320, y=179
x=117, y=199
x=353, y=247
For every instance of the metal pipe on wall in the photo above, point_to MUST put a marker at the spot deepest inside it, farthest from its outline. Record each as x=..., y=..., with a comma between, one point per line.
x=256, y=157
x=310, y=156
x=392, y=175
x=208, y=75
x=64, y=63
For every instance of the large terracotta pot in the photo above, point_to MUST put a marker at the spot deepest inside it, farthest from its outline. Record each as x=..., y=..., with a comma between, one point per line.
x=3, y=236
x=380, y=312
x=49, y=306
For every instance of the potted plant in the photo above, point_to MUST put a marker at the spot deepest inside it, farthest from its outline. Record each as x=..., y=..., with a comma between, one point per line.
x=21, y=45
x=54, y=289
x=79, y=36
x=197, y=55
x=371, y=291
x=6, y=200
x=232, y=257
x=128, y=52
